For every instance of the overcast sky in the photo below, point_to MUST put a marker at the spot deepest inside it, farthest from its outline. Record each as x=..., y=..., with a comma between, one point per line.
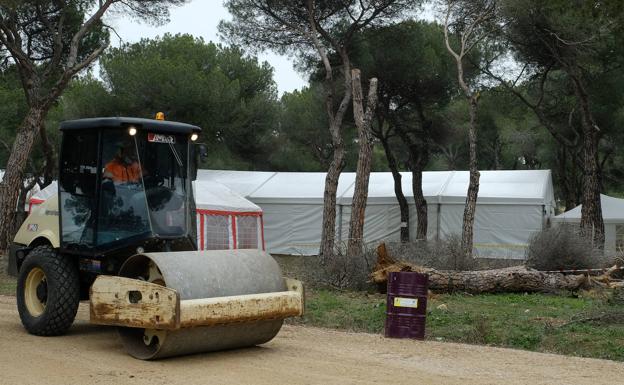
x=200, y=18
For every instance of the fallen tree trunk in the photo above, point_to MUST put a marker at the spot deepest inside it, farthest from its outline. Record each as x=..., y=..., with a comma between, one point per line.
x=518, y=279
x=508, y=280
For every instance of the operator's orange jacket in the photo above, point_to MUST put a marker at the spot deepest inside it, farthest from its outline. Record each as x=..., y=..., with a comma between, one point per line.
x=121, y=173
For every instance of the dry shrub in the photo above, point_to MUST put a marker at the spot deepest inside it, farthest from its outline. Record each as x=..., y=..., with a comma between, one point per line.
x=352, y=273
x=562, y=248
x=452, y=256
x=617, y=296
x=341, y=271
x=441, y=255
x=480, y=330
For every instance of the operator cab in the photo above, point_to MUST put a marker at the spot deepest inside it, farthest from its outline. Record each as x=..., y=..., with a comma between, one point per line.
x=126, y=183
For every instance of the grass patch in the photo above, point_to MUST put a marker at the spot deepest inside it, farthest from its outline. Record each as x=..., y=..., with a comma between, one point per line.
x=353, y=311
x=7, y=284
x=530, y=321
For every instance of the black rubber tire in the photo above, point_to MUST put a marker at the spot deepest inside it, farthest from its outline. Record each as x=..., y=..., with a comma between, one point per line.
x=63, y=294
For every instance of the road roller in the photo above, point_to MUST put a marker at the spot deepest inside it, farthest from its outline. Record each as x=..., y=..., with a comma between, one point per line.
x=121, y=233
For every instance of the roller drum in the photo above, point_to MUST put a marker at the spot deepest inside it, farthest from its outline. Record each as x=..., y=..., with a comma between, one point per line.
x=204, y=274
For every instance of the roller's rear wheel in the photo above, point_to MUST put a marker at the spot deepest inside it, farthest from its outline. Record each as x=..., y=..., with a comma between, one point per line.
x=48, y=292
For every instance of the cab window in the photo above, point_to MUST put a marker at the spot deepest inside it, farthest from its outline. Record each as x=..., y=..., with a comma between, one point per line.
x=78, y=178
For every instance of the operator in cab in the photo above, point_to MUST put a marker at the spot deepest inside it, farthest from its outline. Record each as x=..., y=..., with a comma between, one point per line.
x=123, y=209
x=124, y=167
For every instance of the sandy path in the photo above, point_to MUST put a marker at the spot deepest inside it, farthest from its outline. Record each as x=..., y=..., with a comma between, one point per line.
x=299, y=355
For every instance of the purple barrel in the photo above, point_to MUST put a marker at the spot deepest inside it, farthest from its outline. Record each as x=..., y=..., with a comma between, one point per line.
x=406, y=309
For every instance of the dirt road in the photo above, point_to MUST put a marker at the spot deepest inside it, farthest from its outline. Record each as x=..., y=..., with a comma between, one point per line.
x=299, y=355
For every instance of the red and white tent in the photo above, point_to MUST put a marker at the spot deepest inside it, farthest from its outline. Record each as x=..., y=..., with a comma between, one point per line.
x=225, y=220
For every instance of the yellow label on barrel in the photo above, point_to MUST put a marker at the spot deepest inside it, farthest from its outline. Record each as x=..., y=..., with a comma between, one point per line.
x=405, y=302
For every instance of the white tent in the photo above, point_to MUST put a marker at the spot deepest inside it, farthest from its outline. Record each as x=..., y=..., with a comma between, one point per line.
x=292, y=203
x=613, y=216
x=382, y=211
x=41, y=196
x=225, y=220
x=30, y=194
x=512, y=205
x=242, y=182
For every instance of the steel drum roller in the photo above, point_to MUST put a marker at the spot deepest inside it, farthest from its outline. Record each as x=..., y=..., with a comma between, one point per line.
x=204, y=274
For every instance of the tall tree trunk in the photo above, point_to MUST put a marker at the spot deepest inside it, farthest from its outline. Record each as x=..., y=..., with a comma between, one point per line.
x=468, y=40
x=473, y=186
x=563, y=180
x=365, y=155
x=420, y=201
x=398, y=189
x=418, y=159
x=567, y=177
x=13, y=180
x=335, y=117
x=591, y=213
x=328, y=232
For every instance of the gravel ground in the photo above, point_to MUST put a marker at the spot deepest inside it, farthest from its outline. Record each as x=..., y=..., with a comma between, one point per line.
x=298, y=355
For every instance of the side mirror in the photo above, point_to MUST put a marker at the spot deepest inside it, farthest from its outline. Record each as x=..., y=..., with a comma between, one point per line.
x=200, y=154
x=67, y=184
x=203, y=151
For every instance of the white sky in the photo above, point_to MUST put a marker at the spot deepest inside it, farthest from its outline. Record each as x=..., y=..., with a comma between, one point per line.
x=201, y=18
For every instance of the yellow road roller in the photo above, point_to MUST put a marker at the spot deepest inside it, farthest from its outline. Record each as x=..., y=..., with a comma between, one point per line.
x=121, y=232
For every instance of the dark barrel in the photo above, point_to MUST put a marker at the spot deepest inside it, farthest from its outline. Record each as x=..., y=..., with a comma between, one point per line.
x=406, y=309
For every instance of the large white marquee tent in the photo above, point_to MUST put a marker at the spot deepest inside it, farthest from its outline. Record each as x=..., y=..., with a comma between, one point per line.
x=612, y=215
x=512, y=205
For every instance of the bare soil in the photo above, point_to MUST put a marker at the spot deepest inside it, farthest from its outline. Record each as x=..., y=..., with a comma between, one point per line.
x=298, y=355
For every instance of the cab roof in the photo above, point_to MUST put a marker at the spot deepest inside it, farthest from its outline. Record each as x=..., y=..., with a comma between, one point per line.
x=120, y=122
